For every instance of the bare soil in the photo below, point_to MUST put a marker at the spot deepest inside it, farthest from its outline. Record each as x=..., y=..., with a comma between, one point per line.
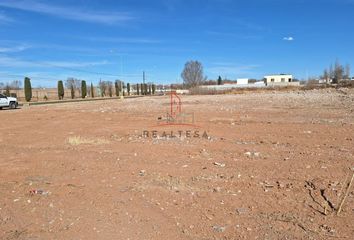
x=275, y=166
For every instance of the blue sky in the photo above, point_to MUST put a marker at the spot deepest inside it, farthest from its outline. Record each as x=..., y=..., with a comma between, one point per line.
x=114, y=39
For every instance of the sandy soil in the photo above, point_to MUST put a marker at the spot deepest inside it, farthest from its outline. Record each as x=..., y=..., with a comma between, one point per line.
x=275, y=166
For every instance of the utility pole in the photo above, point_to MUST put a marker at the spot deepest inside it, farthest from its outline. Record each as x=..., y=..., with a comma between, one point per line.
x=144, y=77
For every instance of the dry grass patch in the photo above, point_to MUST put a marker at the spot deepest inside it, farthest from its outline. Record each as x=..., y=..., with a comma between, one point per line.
x=78, y=140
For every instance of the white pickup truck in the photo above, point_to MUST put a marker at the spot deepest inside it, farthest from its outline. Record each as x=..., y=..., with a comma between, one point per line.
x=9, y=102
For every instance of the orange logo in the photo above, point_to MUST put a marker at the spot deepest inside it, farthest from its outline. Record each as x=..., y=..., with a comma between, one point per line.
x=176, y=117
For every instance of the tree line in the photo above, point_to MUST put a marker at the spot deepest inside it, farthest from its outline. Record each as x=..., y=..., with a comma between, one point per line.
x=193, y=75
x=336, y=72
x=104, y=88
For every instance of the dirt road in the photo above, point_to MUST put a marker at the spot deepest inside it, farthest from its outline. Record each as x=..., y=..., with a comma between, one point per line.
x=274, y=166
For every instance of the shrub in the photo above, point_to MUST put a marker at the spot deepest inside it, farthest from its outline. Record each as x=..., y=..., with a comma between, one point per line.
x=116, y=86
x=28, y=89
x=7, y=91
x=60, y=90
x=83, y=89
x=153, y=89
x=110, y=88
x=346, y=83
x=145, y=89
x=207, y=91
x=72, y=89
x=128, y=88
x=92, y=91
x=219, y=80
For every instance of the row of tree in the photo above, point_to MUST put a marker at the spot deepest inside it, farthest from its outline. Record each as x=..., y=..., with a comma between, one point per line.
x=337, y=72
x=104, y=89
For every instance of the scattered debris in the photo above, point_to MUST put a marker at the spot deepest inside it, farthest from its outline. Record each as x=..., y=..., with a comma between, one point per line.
x=219, y=164
x=241, y=211
x=219, y=229
x=38, y=192
x=142, y=173
x=252, y=154
x=345, y=196
x=327, y=229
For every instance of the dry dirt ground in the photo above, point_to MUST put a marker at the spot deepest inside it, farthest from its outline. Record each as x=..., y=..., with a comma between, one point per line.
x=275, y=166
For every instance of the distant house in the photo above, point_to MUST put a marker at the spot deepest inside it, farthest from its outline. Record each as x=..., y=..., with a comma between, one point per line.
x=280, y=78
x=242, y=81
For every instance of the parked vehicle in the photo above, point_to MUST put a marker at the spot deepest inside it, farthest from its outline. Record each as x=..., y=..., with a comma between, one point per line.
x=8, y=102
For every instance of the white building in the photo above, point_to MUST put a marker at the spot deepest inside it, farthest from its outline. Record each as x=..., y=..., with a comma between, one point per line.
x=276, y=79
x=242, y=81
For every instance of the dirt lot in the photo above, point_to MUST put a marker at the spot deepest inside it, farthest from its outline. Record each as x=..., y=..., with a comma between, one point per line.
x=275, y=166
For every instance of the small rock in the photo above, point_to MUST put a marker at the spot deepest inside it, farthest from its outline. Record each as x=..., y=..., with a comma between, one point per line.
x=248, y=154
x=142, y=173
x=252, y=154
x=241, y=211
x=256, y=154
x=219, y=229
x=219, y=164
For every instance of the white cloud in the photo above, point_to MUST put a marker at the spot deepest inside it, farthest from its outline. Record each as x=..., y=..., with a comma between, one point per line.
x=288, y=39
x=68, y=13
x=14, y=49
x=15, y=62
x=75, y=64
x=6, y=61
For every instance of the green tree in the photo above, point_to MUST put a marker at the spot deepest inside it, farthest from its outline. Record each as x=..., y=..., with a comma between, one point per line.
x=145, y=89
x=153, y=89
x=28, y=89
x=219, y=81
x=110, y=91
x=92, y=91
x=72, y=90
x=83, y=89
x=116, y=87
x=128, y=88
x=60, y=90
